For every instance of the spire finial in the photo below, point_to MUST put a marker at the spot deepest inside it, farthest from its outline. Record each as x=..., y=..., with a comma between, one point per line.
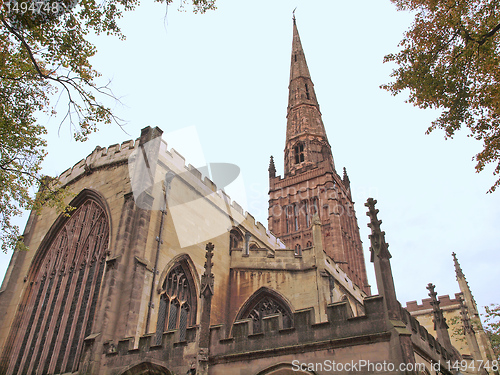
x=207, y=279
x=440, y=325
x=272, y=168
x=439, y=319
x=345, y=179
x=377, y=239
x=293, y=15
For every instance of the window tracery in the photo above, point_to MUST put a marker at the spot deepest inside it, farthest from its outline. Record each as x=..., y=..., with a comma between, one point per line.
x=176, y=308
x=60, y=302
x=266, y=304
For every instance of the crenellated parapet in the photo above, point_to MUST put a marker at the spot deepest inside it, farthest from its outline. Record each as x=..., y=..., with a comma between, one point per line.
x=131, y=152
x=174, y=353
x=98, y=159
x=425, y=343
x=445, y=302
x=341, y=329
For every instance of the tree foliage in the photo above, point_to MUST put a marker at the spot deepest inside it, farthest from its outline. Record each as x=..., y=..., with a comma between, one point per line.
x=450, y=60
x=492, y=327
x=44, y=60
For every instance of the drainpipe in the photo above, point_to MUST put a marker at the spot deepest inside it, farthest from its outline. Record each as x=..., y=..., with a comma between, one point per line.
x=168, y=179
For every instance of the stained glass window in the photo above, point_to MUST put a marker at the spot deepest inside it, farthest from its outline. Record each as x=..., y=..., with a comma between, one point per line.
x=59, y=304
x=176, y=302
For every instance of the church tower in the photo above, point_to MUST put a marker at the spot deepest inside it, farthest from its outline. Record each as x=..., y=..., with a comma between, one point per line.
x=311, y=184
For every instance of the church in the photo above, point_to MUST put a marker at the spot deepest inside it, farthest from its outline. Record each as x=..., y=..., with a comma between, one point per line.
x=157, y=271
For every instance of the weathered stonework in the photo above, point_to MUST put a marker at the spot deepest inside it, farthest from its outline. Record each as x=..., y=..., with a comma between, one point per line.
x=193, y=284
x=311, y=184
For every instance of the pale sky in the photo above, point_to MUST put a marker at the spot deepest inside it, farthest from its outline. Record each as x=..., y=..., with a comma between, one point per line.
x=225, y=76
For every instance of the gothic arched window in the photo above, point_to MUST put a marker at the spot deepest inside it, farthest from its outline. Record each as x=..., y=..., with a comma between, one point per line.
x=264, y=303
x=305, y=209
x=235, y=240
x=59, y=305
x=299, y=153
x=177, y=308
x=314, y=206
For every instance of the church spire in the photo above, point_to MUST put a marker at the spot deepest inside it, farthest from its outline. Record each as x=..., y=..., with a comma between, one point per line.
x=306, y=141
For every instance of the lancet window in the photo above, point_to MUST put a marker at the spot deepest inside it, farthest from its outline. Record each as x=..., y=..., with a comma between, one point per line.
x=314, y=207
x=291, y=217
x=299, y=153
x=305, y=207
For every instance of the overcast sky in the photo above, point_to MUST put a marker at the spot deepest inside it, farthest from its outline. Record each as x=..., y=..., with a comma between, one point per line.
x=224, y=77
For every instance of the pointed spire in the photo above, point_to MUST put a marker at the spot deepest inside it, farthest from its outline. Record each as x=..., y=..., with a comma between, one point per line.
x=464, y=287
x=272, y=168
x=306, y=141
x=458, y=269
x=299, y=65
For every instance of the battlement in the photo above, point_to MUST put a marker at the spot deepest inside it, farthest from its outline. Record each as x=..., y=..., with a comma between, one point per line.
x=241, y=342
x=342, y=326
x=423, y=339
x=171, y=160
x=99, y=158
x=445, y=303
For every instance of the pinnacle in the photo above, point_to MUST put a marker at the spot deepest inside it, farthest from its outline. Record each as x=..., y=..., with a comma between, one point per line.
x=378, y=245
x=458, y=269
x=439, y=319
